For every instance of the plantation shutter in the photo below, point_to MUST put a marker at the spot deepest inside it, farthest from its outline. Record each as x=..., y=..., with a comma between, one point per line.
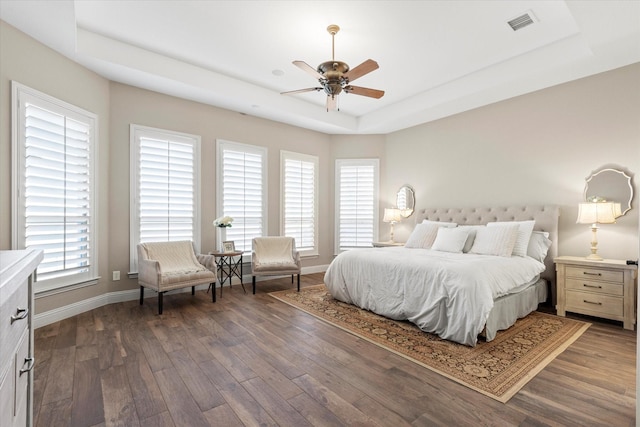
x=357, y=199
x=54, y=209
x=166, y=190
x=242, y=174
x=300, y=195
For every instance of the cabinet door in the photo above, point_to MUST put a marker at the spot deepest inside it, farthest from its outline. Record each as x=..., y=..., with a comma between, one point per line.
x=7, y=395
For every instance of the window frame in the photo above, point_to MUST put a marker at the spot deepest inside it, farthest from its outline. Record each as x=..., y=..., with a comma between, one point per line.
x=307, y=158
x=22, y=94
x=340, y=163
x=136, y=132
x=221, y=145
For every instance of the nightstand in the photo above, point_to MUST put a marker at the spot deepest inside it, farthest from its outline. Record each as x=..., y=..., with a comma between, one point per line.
x=386, y=244
x=604, y=288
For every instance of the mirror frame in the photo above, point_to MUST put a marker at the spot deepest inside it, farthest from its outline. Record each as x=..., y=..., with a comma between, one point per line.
x=407, y=211
x=625, y=204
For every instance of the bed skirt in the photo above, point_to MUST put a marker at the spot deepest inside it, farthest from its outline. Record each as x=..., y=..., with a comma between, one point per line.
x=509, y=308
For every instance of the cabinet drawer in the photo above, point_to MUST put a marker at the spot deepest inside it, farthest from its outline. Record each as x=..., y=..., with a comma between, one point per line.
x=593, y=286
x=10, y=333
x=7, y=398
x=584, y=302
x=22, y=379
x=596, y=274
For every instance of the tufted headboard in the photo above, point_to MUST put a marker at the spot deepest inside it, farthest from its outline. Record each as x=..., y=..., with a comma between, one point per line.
x=546, y=217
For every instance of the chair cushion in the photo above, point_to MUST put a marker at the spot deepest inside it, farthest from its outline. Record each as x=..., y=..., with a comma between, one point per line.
x=174, y=257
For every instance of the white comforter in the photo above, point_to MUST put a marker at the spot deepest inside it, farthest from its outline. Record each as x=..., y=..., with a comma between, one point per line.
x=448, y=294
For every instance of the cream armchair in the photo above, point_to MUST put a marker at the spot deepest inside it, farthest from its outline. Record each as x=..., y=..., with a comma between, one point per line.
x=274, y=256
x=165, y=266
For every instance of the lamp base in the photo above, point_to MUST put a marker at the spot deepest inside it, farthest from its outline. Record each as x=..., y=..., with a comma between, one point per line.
x=594, y=257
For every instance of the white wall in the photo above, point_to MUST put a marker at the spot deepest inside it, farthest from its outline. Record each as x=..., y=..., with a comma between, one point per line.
x=533, y=149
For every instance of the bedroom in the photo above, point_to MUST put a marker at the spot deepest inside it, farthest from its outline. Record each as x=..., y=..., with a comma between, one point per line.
x=563, y=133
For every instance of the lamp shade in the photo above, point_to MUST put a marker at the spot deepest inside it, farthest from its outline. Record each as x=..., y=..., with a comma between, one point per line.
x=392, y=215
x=597, y=213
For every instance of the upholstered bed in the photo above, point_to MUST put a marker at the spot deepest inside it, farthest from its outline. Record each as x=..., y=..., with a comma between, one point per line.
x=454, y=293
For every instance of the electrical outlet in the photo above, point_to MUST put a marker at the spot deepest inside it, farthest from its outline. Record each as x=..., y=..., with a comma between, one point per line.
x=116, y=275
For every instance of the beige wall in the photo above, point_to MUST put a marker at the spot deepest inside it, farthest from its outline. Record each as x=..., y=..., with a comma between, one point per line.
x=536, y=148
x=32, y=64
x=142, y=107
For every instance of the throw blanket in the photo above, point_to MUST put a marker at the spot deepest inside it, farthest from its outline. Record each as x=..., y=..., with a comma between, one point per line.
x=448, y=294
x=174, y=257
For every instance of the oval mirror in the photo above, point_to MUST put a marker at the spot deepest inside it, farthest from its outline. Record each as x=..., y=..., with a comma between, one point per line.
x=611, y=185
x=405, y=201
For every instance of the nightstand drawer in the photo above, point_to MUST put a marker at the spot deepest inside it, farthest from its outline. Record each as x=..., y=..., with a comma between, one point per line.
x=593, y=286
x=596, y=274
x=584, y=302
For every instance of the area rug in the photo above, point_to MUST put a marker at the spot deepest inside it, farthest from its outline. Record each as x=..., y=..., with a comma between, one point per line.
x=497, y=369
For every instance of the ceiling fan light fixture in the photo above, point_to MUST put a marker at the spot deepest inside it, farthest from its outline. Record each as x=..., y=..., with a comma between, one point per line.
x=335, y=76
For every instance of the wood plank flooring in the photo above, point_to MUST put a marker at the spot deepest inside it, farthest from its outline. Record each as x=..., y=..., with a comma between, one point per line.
x=252, y=360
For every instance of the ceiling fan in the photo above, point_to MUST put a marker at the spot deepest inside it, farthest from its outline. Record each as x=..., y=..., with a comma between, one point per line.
x=336, y=76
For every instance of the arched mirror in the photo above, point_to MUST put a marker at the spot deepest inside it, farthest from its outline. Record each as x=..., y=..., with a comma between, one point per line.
x=612, y=185
x=406, y=201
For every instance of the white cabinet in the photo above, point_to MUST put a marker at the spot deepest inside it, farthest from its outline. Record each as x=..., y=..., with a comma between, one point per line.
x=17, y=270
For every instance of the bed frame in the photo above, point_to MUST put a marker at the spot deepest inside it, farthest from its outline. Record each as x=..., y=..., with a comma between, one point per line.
x=546, y=217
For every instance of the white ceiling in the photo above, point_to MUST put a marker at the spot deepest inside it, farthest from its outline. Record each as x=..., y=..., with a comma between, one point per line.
x=436, y=58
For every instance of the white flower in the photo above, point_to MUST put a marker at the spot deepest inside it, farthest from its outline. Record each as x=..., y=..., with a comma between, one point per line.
x=223, y=221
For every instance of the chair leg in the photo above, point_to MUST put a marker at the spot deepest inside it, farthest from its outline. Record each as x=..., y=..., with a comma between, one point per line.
x=193, y=290
x=253, y=281
x=141, y=294
x=292, y=278
x=298, y=281
x=160, y=302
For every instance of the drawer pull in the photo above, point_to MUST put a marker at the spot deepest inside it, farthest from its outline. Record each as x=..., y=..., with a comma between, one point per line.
x=21, y=313
x=591, y=302
x=591, y=274
x=31, y=361
x=592, y=286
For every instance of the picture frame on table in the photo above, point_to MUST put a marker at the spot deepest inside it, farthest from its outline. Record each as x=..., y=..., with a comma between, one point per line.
x=228, y=246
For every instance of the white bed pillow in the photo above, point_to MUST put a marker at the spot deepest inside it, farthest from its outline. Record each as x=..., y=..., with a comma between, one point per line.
x=450, y=239
x=498, y=241
x=471, y=235
x=424, y=234
x=539, y=245
x=525, y=228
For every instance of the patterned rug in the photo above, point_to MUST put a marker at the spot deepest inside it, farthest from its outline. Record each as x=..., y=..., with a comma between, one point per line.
x=497, y=369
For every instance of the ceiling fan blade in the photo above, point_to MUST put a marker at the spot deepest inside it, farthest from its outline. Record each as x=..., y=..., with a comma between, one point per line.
x=365, y=68
x=364, y=91
x=309, y=89
x=332, y=102
x=308, y=68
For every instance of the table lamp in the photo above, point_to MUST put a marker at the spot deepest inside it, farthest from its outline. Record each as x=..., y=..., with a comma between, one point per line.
x=595, y=213
x=392, y=215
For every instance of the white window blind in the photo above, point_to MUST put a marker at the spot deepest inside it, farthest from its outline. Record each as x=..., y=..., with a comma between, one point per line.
x=241, y=192
x=54, y=150
x=299, y=189
x=165, y=186
x=356, y=203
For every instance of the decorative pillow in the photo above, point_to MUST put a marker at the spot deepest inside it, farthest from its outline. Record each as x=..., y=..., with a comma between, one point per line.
x=497, y=241
x=471, y=235
x=449, y=239
x=424, y=234
x=524, y=234
x=539, y=245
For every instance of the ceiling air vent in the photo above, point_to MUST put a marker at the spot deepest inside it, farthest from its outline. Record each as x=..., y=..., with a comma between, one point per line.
x=522, y=21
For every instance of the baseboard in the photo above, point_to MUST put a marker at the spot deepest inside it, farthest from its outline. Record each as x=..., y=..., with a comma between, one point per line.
x=64, y=312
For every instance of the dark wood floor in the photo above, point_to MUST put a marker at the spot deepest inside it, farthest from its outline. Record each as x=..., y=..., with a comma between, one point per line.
x=252, y=360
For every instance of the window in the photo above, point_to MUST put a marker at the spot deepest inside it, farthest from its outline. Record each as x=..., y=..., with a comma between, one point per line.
x=242, y=192
x=299, y=204
x=165, y=187
x=356, y=203
x=54, y=187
